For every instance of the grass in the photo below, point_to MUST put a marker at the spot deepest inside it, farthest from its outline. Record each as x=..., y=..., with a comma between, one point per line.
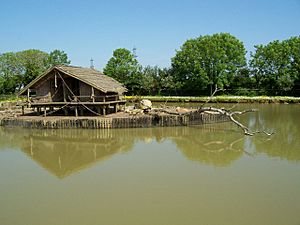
x=220, y=99
x=9, y=98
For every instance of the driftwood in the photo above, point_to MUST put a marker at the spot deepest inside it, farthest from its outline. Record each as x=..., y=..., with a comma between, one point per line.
x=222, y=111
x=226, y=112
x=231, y=115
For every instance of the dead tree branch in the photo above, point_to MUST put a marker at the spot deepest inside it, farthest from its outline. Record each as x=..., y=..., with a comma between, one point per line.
x=211, y=96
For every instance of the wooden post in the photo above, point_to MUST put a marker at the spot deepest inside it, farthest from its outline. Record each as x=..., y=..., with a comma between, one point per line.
x=76, y=111
x=104, y=111
x=93, y=94
x=45, y=111
x=65, y=112
x=64, y=92
x=116, y=108
x=55, y=81
x=28, y=94
x=22, y=110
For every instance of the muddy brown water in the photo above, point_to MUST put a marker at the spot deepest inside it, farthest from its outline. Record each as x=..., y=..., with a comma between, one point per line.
x=210, y=174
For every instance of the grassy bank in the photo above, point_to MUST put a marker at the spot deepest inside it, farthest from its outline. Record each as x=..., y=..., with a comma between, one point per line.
x=9, y=98
x=220, y=99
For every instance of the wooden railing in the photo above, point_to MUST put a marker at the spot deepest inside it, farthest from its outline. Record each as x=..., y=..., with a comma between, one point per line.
x=88, y=98
x=81, y=98
x=40, y=99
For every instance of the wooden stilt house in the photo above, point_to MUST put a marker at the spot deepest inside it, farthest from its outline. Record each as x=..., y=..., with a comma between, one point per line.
x=74, y=90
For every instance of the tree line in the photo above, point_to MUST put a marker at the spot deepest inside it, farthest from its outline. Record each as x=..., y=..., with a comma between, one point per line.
x=200, y=66
x=214, y=61
x=17, y=69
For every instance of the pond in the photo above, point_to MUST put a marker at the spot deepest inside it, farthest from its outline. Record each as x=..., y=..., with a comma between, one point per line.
x=210, y=174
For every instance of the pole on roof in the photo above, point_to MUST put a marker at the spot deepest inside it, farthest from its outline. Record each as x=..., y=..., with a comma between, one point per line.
x=92, y=64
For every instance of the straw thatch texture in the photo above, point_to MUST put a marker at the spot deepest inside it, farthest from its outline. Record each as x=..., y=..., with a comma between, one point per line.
x=89, y=76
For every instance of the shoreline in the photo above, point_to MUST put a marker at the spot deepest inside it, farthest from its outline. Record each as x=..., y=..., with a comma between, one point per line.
x=197, y=99
x=220, y=99
x=111, y=122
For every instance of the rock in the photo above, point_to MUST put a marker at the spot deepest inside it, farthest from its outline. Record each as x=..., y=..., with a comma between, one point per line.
x=145, y=104
x=182, y=110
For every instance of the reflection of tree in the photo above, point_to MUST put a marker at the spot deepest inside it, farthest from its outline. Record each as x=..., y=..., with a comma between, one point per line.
x=209, y=145
x=284, y=119
x=63, y=152
x=9, y=138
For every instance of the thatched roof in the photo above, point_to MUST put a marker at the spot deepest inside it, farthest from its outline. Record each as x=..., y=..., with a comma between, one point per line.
x=89, y=76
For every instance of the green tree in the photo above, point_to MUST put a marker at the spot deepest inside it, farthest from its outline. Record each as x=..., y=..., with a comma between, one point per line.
x=276, y=66
x=33, y=62
x=294, y=44
x=208, y=61
x=243, y=83
x=150, y=76
x=157, y=81
x=20, y=68
x=11, y=71
x=58, y=57
x=124, y=67
x=168, y=83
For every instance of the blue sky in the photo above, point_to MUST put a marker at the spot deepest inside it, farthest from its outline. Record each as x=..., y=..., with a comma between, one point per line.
x=90, y=28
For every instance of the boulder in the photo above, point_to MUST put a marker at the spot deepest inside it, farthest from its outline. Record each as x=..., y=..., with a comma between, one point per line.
x=145, y=104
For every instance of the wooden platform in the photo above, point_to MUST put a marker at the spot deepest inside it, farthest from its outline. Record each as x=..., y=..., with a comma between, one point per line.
x=95, y=107
x=118, y=120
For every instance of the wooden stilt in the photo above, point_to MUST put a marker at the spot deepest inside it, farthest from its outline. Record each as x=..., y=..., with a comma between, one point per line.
x=23, y=110
x=81, y=111
x=45, y=111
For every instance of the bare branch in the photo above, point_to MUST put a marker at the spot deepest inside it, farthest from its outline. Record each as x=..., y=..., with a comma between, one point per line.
x=222, y=111
x=210, y=97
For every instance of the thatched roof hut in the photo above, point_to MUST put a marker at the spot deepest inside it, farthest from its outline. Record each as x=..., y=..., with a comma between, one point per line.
x=76, y=86
x=92, y=77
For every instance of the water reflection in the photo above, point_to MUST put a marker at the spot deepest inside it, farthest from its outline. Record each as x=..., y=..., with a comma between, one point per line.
x=285, y=121
x=64, y=152
x=210, y=144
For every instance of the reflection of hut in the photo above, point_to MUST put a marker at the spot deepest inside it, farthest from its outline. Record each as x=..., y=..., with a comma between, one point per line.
x=76, y=88
x=66, y=151
x=63, y=155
